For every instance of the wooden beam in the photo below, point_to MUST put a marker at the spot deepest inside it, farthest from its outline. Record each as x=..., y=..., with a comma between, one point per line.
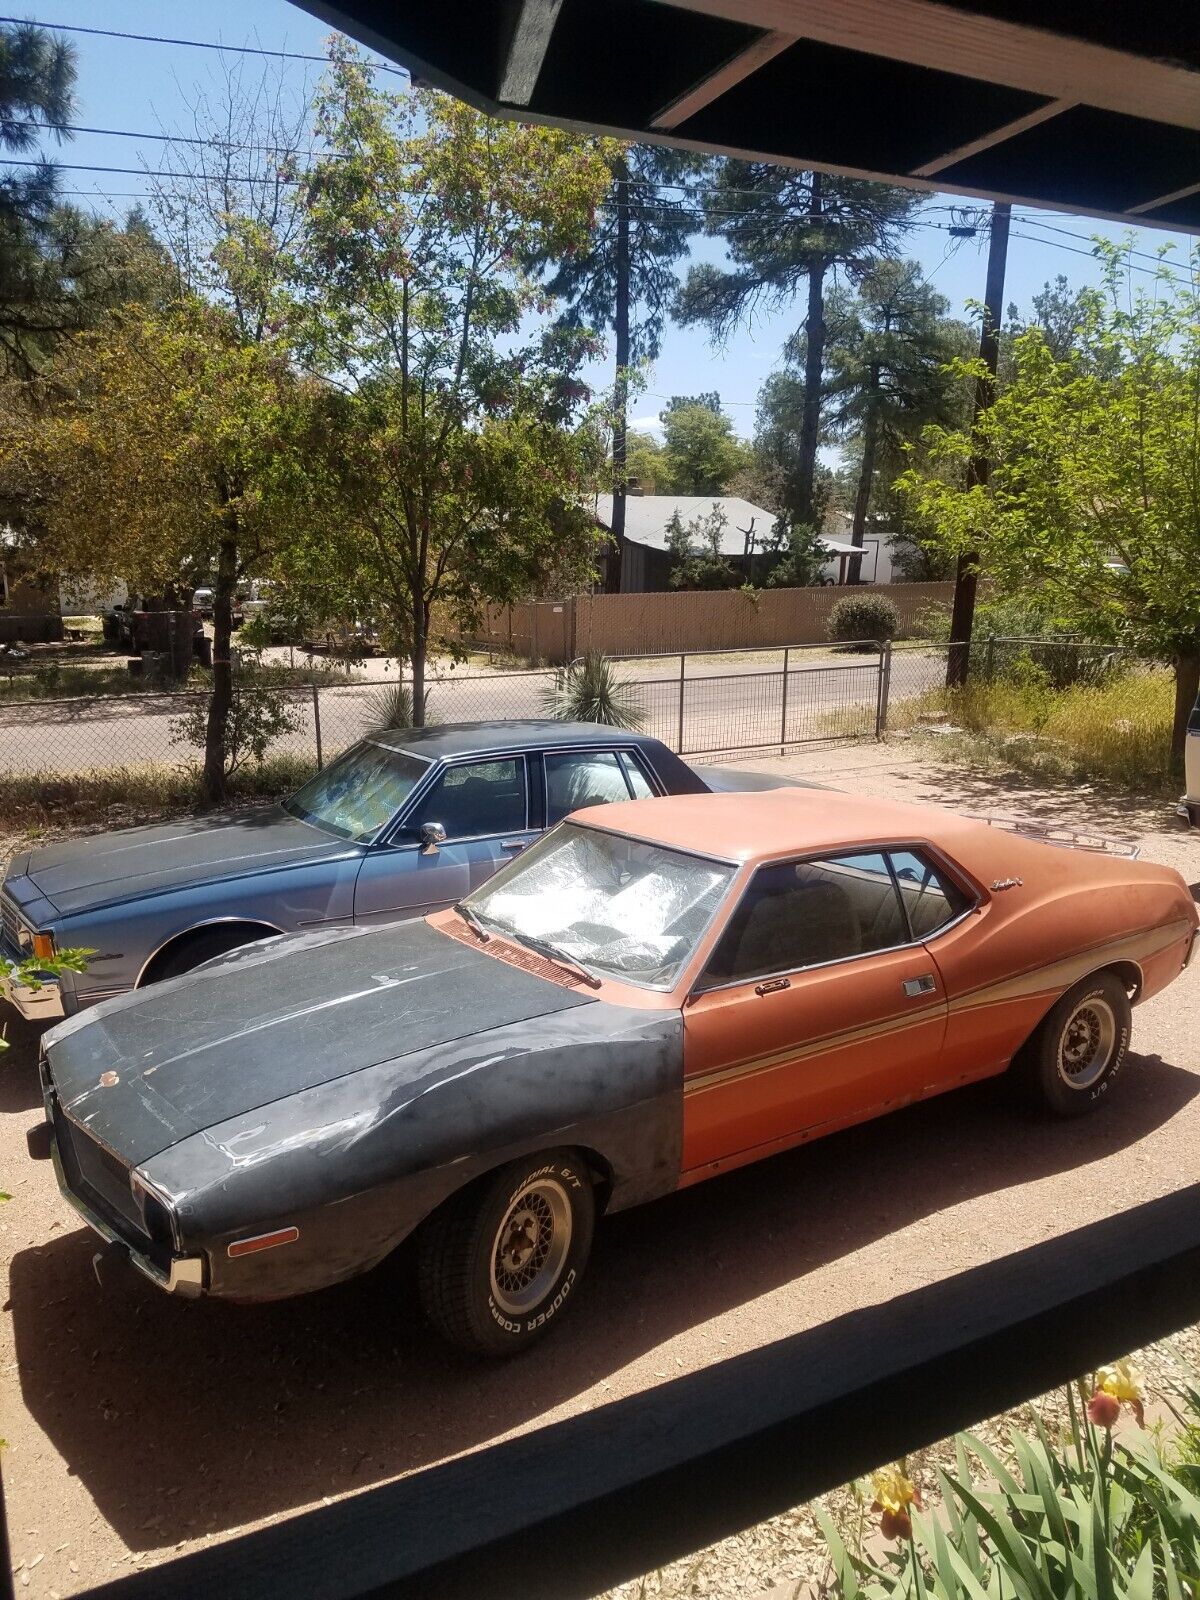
x=1165, y=199
x=973, y=46
x=530, y=41
x=735, y=70
x=1008, y=130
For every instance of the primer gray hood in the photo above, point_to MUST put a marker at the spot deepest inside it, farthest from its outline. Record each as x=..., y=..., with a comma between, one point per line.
x=84, y=874
x=275, y=1019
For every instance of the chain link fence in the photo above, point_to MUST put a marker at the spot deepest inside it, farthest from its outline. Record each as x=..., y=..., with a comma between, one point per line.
x=697, y=703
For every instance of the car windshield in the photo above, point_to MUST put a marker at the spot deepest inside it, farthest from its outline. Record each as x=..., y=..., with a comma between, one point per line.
x=614, y=905
x=357, y=795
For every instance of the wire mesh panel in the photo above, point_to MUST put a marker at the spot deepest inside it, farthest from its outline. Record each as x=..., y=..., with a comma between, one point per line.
x=826, y=701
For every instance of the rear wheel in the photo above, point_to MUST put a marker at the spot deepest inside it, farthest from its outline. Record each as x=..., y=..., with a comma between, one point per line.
x=1071, y=1062
x=500, y=1261
x=193, y=949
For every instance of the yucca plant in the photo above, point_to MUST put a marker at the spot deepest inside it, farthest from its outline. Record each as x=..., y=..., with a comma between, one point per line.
x=392, y=707
x=590, y=691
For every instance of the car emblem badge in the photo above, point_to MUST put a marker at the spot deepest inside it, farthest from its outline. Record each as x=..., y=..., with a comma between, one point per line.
x=108, y=1079
x=1007, y=883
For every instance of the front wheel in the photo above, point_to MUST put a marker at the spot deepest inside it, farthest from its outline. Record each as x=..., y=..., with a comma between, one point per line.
x=1071, y=1062
x=498, y=1263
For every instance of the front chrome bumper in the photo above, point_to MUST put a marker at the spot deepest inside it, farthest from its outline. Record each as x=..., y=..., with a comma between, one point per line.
x=44, y=1004
x=184, y=1277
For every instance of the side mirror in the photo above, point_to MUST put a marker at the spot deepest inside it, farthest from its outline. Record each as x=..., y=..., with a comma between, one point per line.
x=432, y=834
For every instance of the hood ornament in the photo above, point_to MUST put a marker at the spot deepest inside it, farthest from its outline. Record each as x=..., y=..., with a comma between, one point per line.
x=109, y=1080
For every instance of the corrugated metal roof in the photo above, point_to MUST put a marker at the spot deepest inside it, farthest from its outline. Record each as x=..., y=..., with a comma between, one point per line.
x=647, y=516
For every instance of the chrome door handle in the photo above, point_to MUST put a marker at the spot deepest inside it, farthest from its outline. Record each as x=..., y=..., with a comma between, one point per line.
x=773, y=987
x=925, y=984
x=513, y=844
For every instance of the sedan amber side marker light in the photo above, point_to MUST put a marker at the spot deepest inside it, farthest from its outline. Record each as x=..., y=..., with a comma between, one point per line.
x=263, y=1241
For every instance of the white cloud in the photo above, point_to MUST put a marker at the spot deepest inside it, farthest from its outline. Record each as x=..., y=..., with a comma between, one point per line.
x=647, y=425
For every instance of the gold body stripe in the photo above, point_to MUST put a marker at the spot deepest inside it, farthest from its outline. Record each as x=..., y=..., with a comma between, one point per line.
x=1055, y=978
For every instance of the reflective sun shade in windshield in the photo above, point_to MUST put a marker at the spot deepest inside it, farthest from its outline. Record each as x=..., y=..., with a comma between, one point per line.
x=616, y=905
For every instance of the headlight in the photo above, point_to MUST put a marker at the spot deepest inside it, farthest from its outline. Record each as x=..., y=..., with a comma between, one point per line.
x=157, y=1212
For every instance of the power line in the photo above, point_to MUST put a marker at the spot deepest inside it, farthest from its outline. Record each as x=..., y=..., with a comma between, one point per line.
x=161, y=138
x=150, y=172
x=194, y=44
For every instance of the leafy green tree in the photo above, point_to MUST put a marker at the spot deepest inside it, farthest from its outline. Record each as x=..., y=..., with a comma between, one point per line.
x=624, y=278
x=701, y=452
x=456, y=433
x=802, y=556
x=1093, y=499
x=646, y=463
x=695, y=551
x=787, y=232
x=1059, y=312
x=235, y=468
x=890, y=345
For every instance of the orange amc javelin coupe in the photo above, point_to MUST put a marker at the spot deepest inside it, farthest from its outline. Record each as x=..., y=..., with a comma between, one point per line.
x=653, y=993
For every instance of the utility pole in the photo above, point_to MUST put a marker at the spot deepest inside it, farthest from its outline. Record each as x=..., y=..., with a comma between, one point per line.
x=962, y=619
x=621, y=388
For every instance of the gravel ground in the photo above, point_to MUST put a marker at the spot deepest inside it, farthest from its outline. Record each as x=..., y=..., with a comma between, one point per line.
x=138, y=1427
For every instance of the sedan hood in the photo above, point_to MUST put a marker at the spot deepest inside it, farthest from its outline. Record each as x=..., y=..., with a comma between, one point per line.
x=151, y=1068
x=83, y=874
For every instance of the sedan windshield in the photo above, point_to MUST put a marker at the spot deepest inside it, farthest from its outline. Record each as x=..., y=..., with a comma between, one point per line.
x=612, y=904
x=357, y=795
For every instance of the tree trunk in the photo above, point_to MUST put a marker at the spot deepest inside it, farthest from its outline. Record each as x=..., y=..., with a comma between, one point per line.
x=862, y=499
x=416, y=657
x=612, y=574
x=814, y=367
x=1187, y=686
x=216, y=735
x=966, y=579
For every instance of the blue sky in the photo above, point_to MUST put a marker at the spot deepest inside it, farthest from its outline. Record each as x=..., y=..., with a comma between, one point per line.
x=148, y=87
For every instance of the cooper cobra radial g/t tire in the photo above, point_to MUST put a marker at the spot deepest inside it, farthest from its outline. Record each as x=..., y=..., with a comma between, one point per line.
x=1072, y=1060
x=500, y=1262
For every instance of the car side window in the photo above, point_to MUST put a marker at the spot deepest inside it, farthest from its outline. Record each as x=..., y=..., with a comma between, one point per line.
x=931, y=899
x=478, y=798
x=803, y=913
x=638, y=781
x=577, y=778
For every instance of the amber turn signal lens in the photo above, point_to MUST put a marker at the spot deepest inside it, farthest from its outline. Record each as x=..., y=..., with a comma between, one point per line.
x=43, y=946
x=263, y=1241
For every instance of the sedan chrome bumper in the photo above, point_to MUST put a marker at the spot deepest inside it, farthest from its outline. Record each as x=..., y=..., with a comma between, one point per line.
x=185, y=1274
x=44, y=1004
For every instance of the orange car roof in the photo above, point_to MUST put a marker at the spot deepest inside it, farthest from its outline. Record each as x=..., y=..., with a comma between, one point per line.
x=747, y=827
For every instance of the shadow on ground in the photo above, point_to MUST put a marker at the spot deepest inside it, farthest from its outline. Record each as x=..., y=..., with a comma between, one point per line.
x=183, y=1419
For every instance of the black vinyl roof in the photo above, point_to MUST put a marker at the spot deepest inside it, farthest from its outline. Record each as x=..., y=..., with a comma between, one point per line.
x=1082, y=105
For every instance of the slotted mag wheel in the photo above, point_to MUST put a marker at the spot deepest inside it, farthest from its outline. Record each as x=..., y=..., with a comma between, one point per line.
x=530, y=1246
x=1086, y=1043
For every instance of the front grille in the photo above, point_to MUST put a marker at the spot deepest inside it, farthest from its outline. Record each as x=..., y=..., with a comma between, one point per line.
x=9, y=923
x=95, y=1175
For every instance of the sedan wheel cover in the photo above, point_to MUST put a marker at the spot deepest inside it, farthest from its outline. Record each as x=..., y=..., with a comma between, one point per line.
x=531, y=1246
x=1085, y=1046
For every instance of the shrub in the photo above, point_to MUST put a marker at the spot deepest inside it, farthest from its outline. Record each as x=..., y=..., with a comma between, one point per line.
x=590, y=691
x=392, y=707
x=865, y=616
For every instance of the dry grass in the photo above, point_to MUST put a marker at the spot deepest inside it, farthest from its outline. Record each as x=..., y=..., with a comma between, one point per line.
x=1118, y=732
x=118, y=796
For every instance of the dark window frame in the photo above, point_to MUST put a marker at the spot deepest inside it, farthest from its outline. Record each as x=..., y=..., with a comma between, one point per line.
x=406, y=834
x=956, y=879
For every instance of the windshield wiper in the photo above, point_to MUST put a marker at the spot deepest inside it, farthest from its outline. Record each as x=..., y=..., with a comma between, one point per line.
x=568, y=963
x=472, y=922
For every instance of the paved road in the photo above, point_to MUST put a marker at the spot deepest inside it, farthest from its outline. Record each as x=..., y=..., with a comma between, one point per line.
x=727, y=704
x=143, y=1426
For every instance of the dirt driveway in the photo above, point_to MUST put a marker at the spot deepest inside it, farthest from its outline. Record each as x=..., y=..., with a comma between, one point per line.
x=138, y=1426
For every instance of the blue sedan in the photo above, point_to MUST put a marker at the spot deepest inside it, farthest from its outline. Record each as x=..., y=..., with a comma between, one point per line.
x=403, y=823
